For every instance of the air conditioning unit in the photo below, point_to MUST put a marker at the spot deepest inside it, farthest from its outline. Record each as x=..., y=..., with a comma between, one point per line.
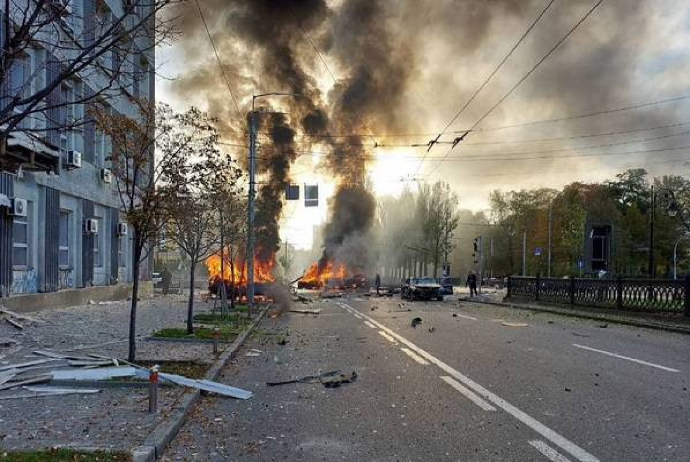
x=122, y=229
x=73, y=159
x=91, y=225
x=106, y=175
x=19, y=207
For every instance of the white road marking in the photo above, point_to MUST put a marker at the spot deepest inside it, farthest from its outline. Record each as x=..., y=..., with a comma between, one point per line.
x=387, y=337
x=639, y=361
x=370, y=324
x=466, y=317
x=358, y=316
x=468, y=394
x=548, y=451
x=560, y=441
x=414, y=356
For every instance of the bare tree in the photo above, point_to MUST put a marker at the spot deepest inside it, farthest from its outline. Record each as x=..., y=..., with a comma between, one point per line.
x=96, y=53
x=146, y=183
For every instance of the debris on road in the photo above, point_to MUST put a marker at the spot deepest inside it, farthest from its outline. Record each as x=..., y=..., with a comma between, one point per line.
x=305, y=311
x=254, y=353
x=21, y=317
x=514, y=324
x=302, y=298
x=416, y=322
x=40, y=392
x=207, y=385
x=579, y=335
x=7, y=341
x=432, y=330
x=329, y=379
x=603, y=326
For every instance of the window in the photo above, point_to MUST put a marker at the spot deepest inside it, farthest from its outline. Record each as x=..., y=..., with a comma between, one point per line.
x=20, y=73
x=64, y=257
x=38, y=82
x=20, y=255
x=98, y=245
x=122, y=251
x=311, y=195
x=72, y=114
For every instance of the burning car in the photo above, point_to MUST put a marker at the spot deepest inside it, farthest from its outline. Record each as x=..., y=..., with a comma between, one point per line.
x=421, y=289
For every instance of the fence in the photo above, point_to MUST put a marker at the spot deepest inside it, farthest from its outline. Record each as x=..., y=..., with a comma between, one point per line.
x=656, y=295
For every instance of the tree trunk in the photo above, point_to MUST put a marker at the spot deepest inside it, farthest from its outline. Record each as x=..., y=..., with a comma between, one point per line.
x=190, y=302
x=131, y=357
x=232, y=282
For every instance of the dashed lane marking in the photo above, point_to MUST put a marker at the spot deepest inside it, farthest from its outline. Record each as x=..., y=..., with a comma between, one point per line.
x=387, y=337
x=557, y=439
x=414, y=356
x=468, y=394
x=466, y=317
x=370, y=324
x=615, y=355
x=548, y=451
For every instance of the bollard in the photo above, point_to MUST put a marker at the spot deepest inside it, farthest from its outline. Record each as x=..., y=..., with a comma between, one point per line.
x=216, y=335
x=153, y=390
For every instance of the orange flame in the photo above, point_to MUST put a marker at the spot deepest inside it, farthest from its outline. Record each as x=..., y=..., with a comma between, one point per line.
x=318, y=277
x=263, y=270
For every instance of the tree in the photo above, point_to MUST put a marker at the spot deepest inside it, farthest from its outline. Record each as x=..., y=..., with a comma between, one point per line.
x=194, y=219
x=148, y=180
x=102, y=54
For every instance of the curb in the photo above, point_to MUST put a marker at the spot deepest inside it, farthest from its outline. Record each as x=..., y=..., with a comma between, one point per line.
x=154, y=445
x=593, y=316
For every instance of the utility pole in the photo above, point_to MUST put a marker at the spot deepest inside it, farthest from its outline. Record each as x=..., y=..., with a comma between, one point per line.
x=524, y=252
x=481, y=263
x=548, y=264
x=652, y=266
x=250, y=217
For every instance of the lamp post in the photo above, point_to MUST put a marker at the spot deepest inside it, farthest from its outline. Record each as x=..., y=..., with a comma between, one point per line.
x=673, y=209
x=252, y=192
x=675, y=254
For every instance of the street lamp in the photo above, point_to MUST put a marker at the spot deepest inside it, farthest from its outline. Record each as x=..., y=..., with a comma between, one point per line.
x=252, y=191
x=675, y=253
x=673, y=209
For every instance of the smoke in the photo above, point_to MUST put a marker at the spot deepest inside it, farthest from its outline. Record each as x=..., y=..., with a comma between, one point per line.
x=408, y=66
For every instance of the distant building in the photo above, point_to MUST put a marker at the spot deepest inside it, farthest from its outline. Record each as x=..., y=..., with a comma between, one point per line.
x=60, y=225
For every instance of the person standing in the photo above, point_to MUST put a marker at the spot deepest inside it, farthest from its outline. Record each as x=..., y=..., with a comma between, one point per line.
x=166, y=279
x=377, y=283
x=472, y=283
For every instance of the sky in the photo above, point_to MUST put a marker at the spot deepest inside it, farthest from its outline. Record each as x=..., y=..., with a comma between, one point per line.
x=383, y=69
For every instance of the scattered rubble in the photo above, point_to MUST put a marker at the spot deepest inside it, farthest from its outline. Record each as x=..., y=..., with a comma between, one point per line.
x=305, y=311
x=416, y=322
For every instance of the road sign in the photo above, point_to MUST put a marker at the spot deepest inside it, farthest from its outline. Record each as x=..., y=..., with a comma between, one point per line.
x=537, y=251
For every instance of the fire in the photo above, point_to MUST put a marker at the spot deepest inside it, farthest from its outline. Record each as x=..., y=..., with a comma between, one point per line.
x=331, y=275
x=263, y=270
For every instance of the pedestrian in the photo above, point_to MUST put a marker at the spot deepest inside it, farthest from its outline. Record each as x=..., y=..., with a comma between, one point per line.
x=166, y=279
x=377, y=283
x=472, y=283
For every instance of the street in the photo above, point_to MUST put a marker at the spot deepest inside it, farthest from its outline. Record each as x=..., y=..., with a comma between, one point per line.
x=471, y=382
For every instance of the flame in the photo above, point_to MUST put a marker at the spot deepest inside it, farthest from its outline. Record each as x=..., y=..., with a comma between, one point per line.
x=317, y=277
x=263, y=270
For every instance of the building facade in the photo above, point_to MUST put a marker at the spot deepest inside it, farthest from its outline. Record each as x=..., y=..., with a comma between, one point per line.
x=61, y=225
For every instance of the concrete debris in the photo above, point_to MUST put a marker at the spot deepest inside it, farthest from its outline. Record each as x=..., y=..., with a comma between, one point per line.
x=514, y=324
x=253, y=354
x=432, y=330
x=415, y=322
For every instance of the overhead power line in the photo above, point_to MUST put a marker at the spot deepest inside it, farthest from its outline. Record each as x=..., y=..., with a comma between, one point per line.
x=532, y=69
x=220, y=63
x=496, y=69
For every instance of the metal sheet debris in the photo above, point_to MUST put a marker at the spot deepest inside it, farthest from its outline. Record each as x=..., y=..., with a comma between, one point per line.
x=514, y=324
x=27, y=364
x=103, y=373
x=14, y=323
x=27, y=381
x=306, y=311
x=207, y=385
x=331, y=379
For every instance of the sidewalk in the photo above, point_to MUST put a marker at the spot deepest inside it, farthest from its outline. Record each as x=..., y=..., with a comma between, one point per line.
x=117, y=417
x=660, y=321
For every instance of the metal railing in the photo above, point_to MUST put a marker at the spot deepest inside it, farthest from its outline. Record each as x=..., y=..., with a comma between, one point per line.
x=652, y=295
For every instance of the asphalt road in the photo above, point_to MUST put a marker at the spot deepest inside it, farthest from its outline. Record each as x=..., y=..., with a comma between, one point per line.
x=472, y=382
